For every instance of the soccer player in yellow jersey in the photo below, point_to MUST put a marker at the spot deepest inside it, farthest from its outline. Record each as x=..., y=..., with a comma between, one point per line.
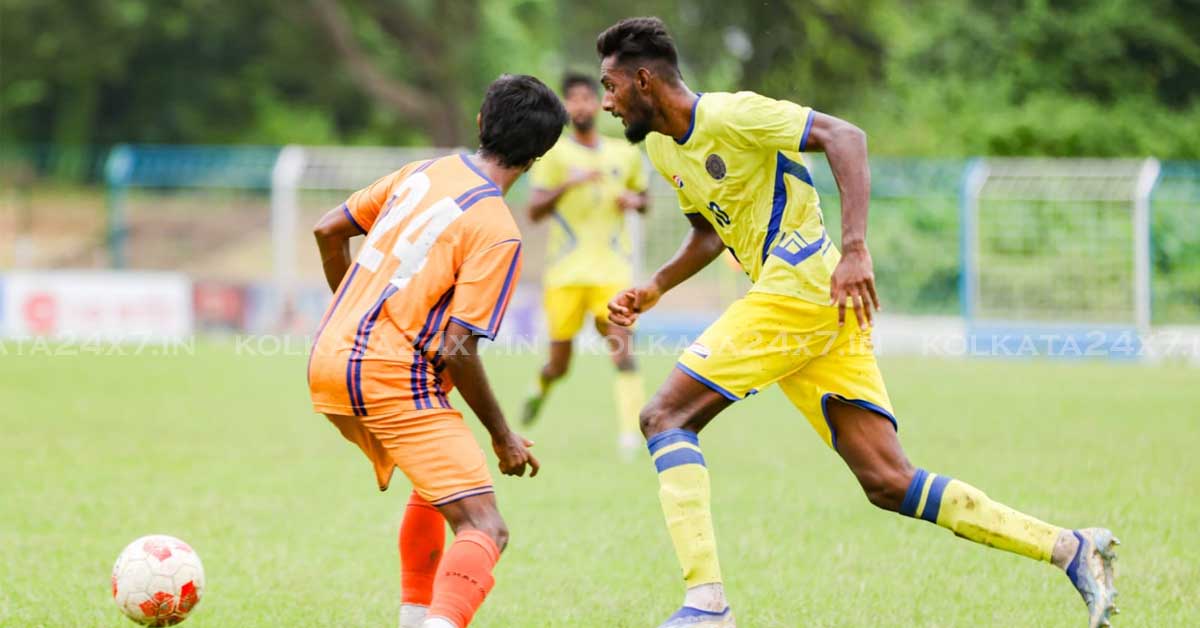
x=735, y=162
x=585, y=185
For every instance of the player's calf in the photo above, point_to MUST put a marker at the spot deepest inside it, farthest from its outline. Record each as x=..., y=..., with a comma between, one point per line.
x=886, y=486
x=464, y=576
x=422, y=539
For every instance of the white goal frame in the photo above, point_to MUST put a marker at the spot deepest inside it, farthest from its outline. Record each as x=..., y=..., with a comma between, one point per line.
x=1111, y=182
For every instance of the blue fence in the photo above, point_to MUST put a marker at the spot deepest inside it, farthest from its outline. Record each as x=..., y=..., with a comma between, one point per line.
x=914, y=232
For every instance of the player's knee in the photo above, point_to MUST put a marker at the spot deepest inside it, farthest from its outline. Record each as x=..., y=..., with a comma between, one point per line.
x=494, y=527
x=625, y=363
x=885, y=488
x=499, y=534
x=655, y=418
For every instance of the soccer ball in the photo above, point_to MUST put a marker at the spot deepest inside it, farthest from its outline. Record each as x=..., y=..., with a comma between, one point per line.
x=158, y=580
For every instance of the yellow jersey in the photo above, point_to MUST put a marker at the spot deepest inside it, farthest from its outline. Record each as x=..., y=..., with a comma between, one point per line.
x=739, y=165
x=587, y=244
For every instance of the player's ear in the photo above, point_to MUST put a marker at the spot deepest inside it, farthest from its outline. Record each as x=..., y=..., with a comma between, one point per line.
x=642, y=78
x=479, y=120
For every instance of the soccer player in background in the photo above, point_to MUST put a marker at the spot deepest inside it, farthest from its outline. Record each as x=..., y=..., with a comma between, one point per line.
x=435, y=274
x=735, y=162
x=587, y=183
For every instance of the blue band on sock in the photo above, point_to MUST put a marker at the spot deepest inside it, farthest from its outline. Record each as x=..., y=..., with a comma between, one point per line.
x=912, y=498
x=670, y=437
x=933, y=503
x=679, y=457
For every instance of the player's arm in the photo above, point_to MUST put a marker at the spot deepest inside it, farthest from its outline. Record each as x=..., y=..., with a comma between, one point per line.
x=542, y=201
x=634, y=200
x=333, y=232
x=354, y=217
x=700, y=247
x=853, y=281
x=461, y=355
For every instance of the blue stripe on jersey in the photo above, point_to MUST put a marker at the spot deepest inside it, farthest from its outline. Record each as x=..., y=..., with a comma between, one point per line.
x=354, y=364
x=488, y=193
x=783, y=166
x=478, y=331
x=566, y=227
x=807, y=127
x=423, y=346
x=804, y=252
x=418, y=359
x=424, y=166
x=494, y=323
x=692, y=123
x=350, y=217
x=475, y=190
x=466, y=160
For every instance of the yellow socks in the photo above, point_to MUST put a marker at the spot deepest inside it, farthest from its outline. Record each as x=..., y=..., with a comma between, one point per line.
x=684, y=493
x=969, y=513
x=629, y=395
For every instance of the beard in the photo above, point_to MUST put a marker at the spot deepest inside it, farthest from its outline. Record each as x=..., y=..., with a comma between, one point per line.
x=637, y=130
x=637, y=125
x=583, y=124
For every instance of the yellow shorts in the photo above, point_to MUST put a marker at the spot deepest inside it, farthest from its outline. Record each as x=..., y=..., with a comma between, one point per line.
x=765, y=338
x=566, y=307
x=434, y=448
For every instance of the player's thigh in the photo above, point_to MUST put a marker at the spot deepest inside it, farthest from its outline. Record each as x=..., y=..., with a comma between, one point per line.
x=845, y=372
x=681, y=402
x=619, y=339
x=565, y=308
x=476, y=512
x=353, y=430
x=759, y=340
x=436, y=451
x=598, y=298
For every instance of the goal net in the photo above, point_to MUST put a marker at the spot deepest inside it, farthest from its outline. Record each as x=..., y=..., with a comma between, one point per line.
x=1056, y=255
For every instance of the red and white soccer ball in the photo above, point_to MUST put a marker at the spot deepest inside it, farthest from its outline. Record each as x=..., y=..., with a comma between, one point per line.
x=158, y=580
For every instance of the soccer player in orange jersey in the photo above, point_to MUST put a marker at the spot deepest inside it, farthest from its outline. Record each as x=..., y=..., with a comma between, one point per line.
x=441, y=259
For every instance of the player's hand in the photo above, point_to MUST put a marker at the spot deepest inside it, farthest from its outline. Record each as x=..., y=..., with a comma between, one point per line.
x=629, y=201
x=579, y=177
x=853, y=285
x=625, y=307
x=513, y=452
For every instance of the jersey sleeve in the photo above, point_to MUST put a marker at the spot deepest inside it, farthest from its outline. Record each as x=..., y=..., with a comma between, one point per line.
x=753, y=120
x=685, y=204
x=363, y=207
x=636, y=180
x=547, y=172
x=485, y=283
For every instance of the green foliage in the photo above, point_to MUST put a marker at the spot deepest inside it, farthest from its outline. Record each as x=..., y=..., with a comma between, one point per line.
x=1099, y=78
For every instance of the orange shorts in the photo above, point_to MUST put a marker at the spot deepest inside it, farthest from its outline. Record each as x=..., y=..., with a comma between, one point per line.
x=434, y=448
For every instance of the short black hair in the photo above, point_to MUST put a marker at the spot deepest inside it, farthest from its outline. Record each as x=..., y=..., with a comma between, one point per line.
x=520, y=120
x=638, y=39
x=572, y=79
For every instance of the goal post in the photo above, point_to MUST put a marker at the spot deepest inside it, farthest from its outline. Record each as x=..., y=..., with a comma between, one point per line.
x=1056, y=256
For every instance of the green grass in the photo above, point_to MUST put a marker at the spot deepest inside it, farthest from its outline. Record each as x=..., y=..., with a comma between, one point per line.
x=223, y=451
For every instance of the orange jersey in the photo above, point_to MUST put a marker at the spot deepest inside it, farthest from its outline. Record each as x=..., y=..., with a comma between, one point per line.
x=441, y=245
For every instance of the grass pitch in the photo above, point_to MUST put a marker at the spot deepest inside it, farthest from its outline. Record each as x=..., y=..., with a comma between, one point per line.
x=221, y=449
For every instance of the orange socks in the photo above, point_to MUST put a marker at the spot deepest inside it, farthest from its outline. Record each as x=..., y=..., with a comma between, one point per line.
x=464, y=577
x=422, y=537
